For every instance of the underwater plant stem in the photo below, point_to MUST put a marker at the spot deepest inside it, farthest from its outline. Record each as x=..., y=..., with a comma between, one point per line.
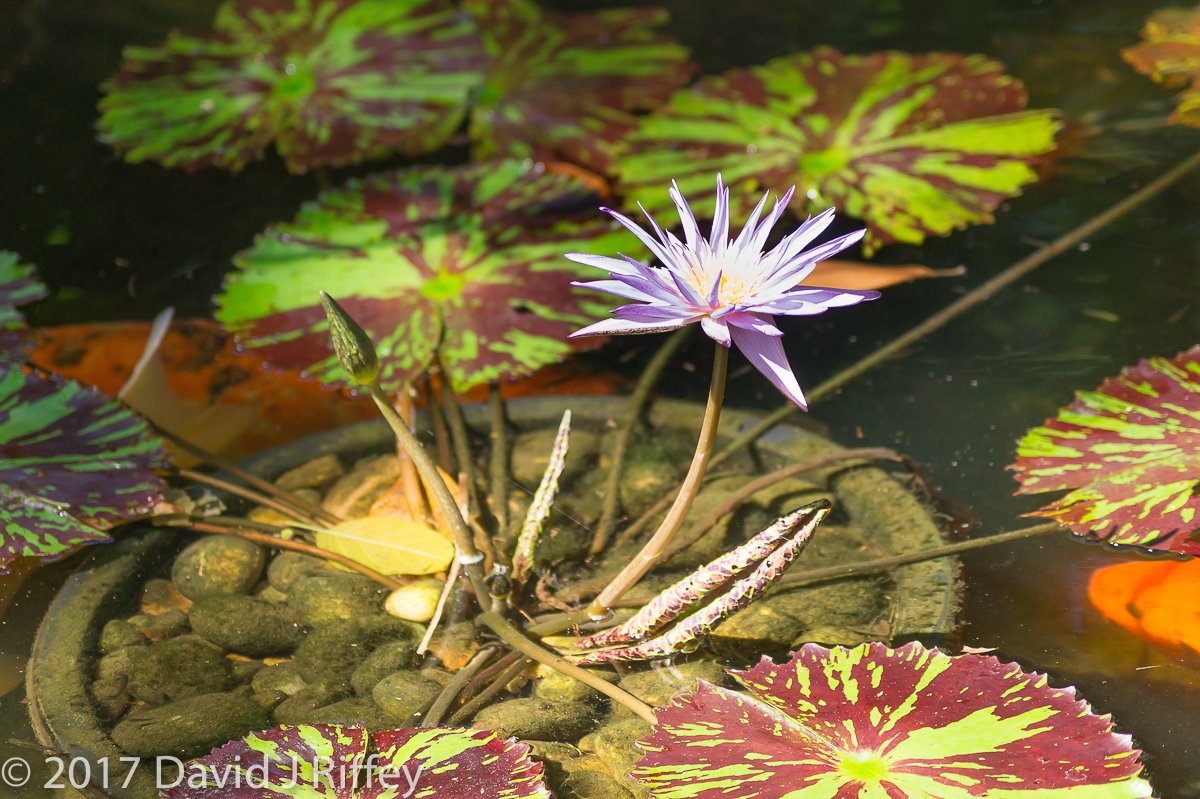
x=882, y=564
x=509, y=673
x=972, y=298
x=441, y=435
x=440, y=608
x=437, y=711
x=460, y=440
x=498, y=491
x=513, y=637
x=246, y=493
x=634, y=406
x=410, y=484
x=744, y=493
x=268, y=540
x=648, y=556
x=249, y=478
x=468, y=555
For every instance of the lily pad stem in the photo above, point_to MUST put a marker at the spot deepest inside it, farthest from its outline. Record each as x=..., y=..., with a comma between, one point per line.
x=499, y=459
x=514, y=638
x=460, y=440
x=649, y=555
x=969, y=300
x=441, y=705
x=634, y=407
x=213, y=481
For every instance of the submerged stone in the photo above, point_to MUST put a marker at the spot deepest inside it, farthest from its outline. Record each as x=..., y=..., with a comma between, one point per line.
x=327, y=598
x=247, y=625
x=537, y=719
x=387, y=658
x=119, y=634
x=176, y=669
x=403, y=695
x=287, y=567
x=188, y=727
x=218, y=565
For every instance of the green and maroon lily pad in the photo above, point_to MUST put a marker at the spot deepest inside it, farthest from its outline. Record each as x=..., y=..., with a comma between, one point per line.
x=464, y=264
x=73, y=463
x=330, y=761
x=870, y=722
x=1129, y=453
x=914, y=145
x=330, y=82
x=19, y=286
x=563, y=86
x=1170, y=54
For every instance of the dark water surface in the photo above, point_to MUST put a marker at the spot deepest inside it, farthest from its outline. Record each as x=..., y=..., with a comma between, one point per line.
x=120, y=241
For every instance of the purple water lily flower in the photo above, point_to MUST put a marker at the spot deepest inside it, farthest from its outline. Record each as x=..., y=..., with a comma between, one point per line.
x=732, y=288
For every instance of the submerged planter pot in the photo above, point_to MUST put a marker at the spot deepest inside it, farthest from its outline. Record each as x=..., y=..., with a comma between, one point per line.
x=875, y=516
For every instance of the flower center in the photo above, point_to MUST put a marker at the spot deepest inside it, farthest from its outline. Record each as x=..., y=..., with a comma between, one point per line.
x=863, y=766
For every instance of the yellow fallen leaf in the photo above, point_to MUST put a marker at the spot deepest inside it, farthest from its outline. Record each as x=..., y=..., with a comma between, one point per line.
x=389, y=544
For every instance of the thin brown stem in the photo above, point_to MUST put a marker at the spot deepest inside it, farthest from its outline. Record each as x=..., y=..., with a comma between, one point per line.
x=213, y=481
x=410, y=483
x=441, y=705
x=469, y=556
x=972, y=298
x=441, y=435
x=497, y=685
x=883, y=564
x=249, y=478
x=648, y=556
x=460, y=439
x=513, y=637
x=498, y=472
x=630, y=421
x=268, y=540
x=734, y=500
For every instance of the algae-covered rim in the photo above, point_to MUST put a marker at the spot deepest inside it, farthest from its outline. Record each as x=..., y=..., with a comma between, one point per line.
x=109, y=578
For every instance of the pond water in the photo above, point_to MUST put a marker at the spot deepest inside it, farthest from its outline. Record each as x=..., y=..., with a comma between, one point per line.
x=120, y=242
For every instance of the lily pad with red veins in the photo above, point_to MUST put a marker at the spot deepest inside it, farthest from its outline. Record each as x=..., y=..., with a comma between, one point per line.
x=19, y=286
x=329, y=82
x=564, y=86
x=73, y=463
x=914, y=145
x=872, y=722
x=323, y=761
x=1129, y=453
x=1170, y=54
x=462, y=264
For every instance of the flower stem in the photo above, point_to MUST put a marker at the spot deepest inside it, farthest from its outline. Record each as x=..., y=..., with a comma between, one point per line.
x=469, y=556
x=670, y=525
x=513, y=637
x=629, y=424
x=969, y=300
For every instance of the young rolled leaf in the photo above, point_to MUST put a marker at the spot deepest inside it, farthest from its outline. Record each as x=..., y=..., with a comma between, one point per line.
x=1170, y=54
x=1129, y=452
x=73, y=463
x=563, y=86
x=914, y=145
x=873, y=722
x=542, y=503
x=329, y=82
x=322, y=761
x=19, y=286
x=465, y=264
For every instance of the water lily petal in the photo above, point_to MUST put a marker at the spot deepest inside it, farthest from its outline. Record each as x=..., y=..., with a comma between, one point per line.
x=717, y=330
x=624, y=327
x=766, y=354
x=753, y=321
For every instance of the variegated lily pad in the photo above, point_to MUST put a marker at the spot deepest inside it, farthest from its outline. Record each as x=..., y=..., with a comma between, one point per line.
x=73, y=463
x=328, y=81
x=1129, y=452
x=1170, y=54
x=19, y=286
x=914, y=145
x=465, y=264
x=562, y=86
x=900, y=723
x=329, y=761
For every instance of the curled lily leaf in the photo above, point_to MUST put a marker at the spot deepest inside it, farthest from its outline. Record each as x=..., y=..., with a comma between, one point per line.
x=19, y=285
x=687, y=593
x=539, y=508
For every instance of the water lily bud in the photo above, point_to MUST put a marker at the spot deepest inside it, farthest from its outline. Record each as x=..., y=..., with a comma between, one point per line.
x=351, y=343
x=416, y=601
